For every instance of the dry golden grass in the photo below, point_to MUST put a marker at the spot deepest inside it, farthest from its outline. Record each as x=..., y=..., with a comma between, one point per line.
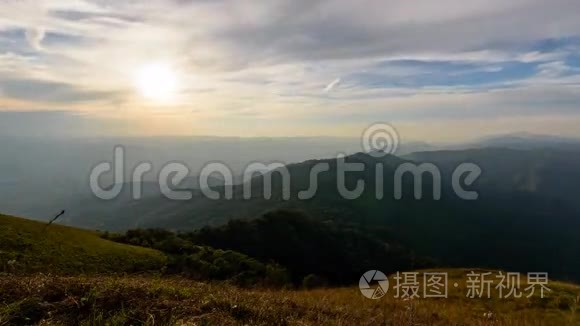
x=28, y=298
x=142, y=300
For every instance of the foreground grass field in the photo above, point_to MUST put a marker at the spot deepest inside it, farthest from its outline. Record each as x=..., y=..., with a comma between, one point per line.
x=137, y=300
x=28, y=246
x=65, y=276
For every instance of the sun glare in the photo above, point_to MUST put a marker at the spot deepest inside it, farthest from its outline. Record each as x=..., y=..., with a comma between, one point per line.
x=157, y=82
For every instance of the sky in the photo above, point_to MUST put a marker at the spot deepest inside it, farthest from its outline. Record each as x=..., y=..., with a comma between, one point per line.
x=436, y=70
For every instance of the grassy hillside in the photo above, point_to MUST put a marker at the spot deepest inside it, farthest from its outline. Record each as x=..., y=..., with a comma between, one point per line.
x=27, y=247
x=175, y=301
x=53, y=298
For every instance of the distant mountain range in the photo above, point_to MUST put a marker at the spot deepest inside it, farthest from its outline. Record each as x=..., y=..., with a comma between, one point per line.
x=40, y=177
x=548, y=173
x=526, y=217
x=526, y=141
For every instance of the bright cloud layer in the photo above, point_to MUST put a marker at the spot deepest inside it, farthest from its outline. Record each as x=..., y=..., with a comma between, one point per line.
x=296, y=67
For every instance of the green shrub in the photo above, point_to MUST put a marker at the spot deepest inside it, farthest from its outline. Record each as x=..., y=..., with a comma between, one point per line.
x=312, y=281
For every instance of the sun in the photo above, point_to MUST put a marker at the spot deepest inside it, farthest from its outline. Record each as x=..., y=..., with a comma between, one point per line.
x=157, y=82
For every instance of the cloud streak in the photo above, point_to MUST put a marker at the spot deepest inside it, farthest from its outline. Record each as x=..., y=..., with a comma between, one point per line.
x=332, y=85
x=34, y=37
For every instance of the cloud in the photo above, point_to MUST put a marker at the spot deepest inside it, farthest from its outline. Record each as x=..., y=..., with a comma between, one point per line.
x=537, y=56
x=50, y=92
x=554, y=69
x=271, y=59
x=332, y=85
x=322, y=30
x=34, y=37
